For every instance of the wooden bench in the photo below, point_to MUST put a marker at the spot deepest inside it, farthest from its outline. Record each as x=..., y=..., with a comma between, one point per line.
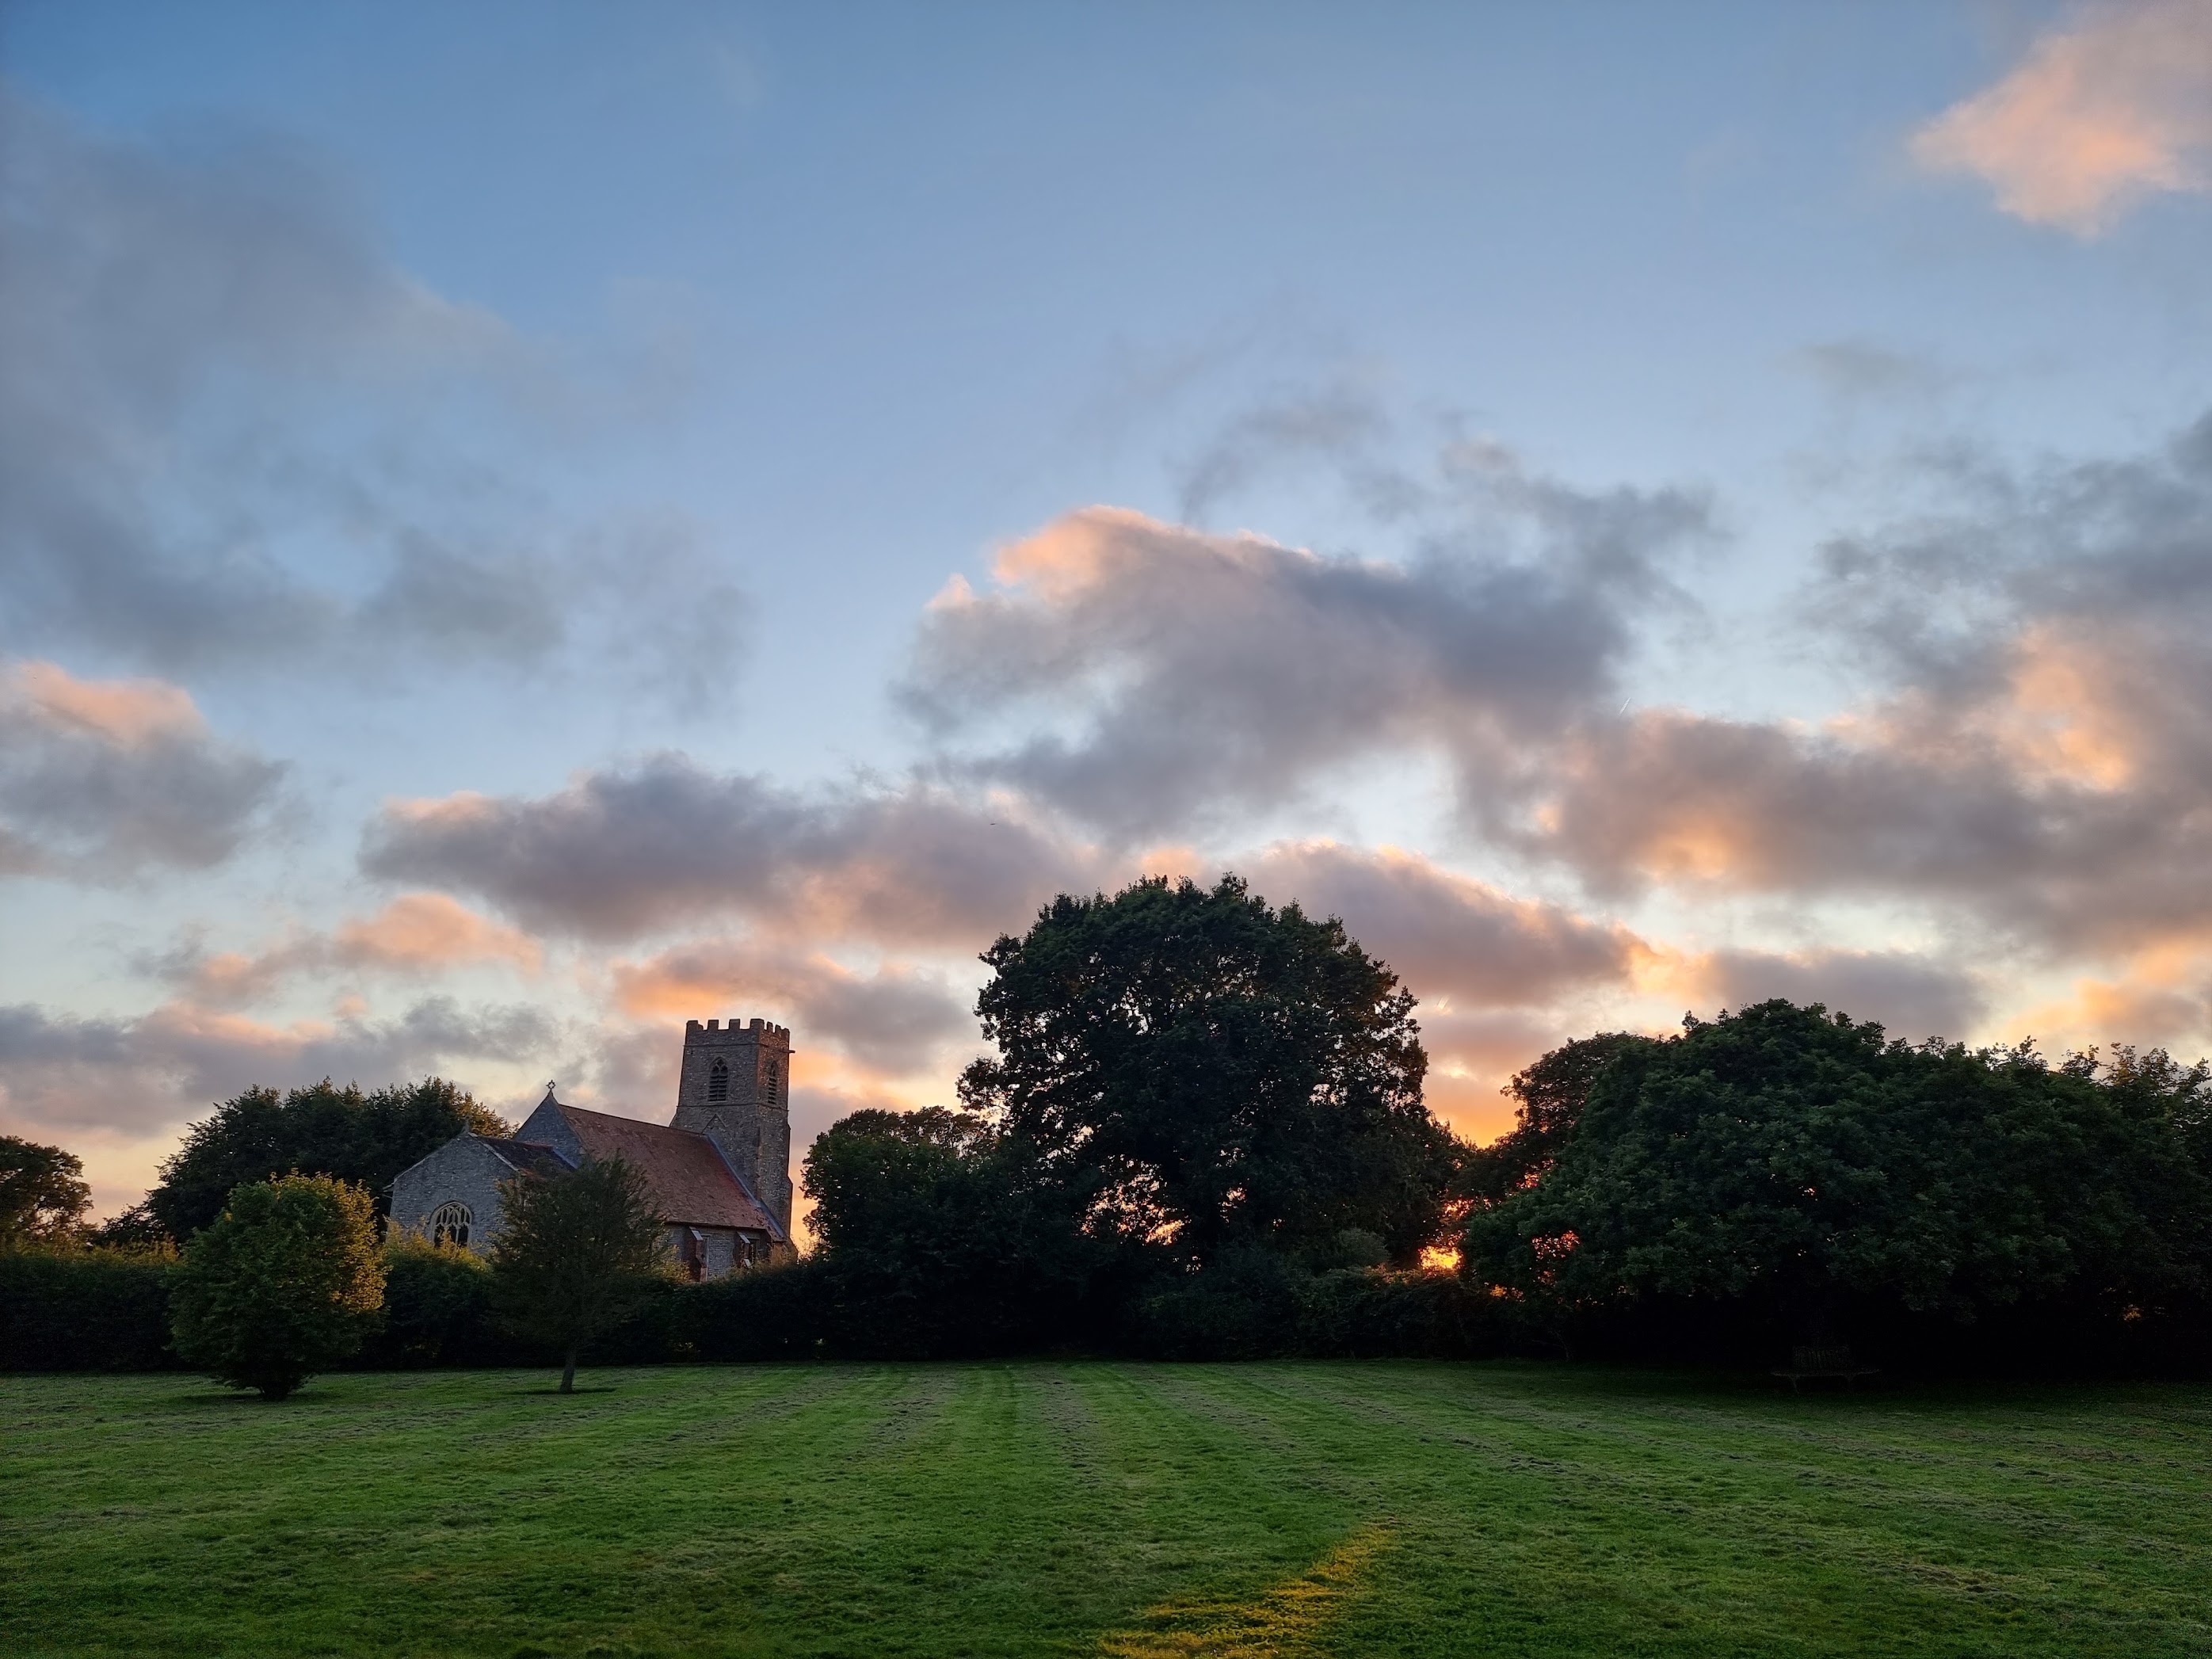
x=1809, y=1365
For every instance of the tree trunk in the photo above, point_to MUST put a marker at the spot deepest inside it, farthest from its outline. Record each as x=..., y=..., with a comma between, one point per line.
x=568, y=1373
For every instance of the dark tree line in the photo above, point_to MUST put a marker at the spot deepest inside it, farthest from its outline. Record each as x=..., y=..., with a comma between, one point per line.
x=1205, y=1114
x=364, y=1138
x=1811, y=1178
x=1202, y=1134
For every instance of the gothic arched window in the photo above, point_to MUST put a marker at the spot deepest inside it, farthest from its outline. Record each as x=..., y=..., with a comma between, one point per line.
x=449, y=1224
x=718, y=1081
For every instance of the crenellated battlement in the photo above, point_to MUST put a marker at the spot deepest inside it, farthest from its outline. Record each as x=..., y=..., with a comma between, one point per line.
x=766, y=1028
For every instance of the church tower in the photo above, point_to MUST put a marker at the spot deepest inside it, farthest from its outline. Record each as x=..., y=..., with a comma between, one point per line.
x=736, y=1091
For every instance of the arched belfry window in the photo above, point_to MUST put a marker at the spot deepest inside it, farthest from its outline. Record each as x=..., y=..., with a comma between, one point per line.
x=449, y=1224
x=718, y=1081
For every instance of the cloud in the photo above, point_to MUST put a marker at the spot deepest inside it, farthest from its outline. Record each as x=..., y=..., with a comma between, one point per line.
x=2037, y=755
x=1333, y=422
x=1447, y=937
x=415, y=935
x=60, y=1073
x=101, y=780
x=1909, y=994
x=1862, y=369
x=620, y=853
x=2160, y=993
x=136, y=284
x=895, y=1021
x=1168, y=676
x=235, y=433
x=2115, y=106
x=428, y=930
x=1710, y=805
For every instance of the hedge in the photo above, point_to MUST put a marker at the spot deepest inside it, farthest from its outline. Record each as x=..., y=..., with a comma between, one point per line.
x=91, y=1310
x=103, y=1311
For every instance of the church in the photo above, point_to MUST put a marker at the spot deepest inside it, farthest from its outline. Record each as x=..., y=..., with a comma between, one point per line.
x=720, y=1172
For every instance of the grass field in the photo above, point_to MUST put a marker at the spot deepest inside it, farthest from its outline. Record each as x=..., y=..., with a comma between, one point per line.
x=1124, y=1509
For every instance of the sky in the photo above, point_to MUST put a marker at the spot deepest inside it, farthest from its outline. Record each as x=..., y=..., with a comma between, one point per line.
x=522, y=525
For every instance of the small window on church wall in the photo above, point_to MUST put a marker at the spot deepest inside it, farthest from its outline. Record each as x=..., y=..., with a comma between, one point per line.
x=718, y=1082
x=449, y=1224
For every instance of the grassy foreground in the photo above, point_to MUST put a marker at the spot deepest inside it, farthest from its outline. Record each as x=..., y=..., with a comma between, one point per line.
x=1123, y=1510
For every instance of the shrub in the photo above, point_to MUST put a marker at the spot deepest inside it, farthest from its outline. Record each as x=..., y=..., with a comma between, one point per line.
x=1363, y=1314
x=1243, y=1305
x=285, y=1284
x=766, y=1313
x=437, y=1308
x=85, y=1310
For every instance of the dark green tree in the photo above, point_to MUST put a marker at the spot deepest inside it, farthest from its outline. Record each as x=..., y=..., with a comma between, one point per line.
x=285, y=1283
x=867, y=1173
x=366, y=1138
x=1552, y=1093
x=134, y=1231
x=1788, y=1161
x=575, y=1253
x=929, y=1242
x=1192, y=1065
x=43, y=1197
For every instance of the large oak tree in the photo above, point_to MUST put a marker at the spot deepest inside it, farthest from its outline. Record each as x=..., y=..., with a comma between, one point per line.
x=1191, y=1065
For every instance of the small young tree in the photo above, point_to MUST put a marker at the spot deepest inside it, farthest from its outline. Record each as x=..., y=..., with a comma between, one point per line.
x=284, y=1284
x=575, y=1252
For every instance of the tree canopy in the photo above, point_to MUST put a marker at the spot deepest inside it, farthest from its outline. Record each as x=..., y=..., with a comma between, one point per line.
x=1190, y=1065
x=364, y=1138
x=43, y=1196
x=1794, y=1159
x=1552, y=1092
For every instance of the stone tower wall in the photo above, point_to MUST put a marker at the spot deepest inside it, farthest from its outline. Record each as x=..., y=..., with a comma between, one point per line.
x=752, y=1125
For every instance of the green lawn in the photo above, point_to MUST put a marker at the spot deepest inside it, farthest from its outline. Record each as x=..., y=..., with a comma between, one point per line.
x=1124, y=1510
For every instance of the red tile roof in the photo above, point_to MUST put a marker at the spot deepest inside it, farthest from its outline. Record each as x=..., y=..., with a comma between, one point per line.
x=690, y=1179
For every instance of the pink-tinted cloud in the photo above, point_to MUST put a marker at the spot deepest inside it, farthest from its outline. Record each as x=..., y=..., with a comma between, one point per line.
x=896, y=1020
x=104, y=780
x=1447, y=936
x=1147, y=677
x=2113, y=105
x=1910, y=994
x=126, y=714
x=429, y=931
x=415, y=935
